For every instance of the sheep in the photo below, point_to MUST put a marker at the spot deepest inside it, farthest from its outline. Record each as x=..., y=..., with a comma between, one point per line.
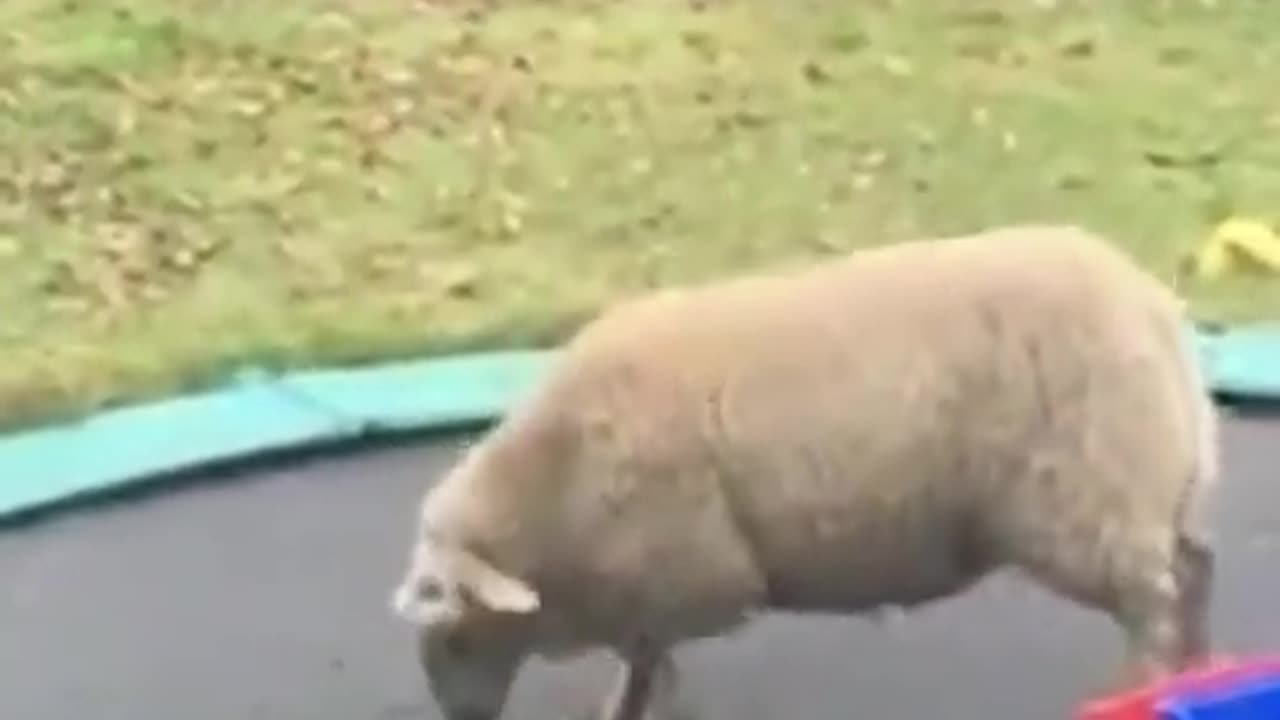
x=876, y=431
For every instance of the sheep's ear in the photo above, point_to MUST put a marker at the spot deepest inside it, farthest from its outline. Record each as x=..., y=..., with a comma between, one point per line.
x=495, y=590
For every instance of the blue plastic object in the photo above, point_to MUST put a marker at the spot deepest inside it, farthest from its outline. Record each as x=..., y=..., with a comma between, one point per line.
x=1224, y=689
x=1255, y=699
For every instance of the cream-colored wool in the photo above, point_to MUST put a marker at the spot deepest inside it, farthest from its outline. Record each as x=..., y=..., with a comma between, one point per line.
x=871, y=432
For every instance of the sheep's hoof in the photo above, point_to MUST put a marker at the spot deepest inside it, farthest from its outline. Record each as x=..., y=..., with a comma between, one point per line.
x=604, y=713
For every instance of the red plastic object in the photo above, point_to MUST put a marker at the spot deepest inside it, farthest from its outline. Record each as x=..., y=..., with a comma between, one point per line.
x=1140, y=703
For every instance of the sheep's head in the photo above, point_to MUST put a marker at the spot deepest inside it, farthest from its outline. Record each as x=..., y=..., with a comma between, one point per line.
x=471, y=640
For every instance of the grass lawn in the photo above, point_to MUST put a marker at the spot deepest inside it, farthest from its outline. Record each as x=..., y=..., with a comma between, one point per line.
x=188, y=186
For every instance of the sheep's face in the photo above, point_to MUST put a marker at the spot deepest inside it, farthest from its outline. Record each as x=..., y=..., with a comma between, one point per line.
x=471, y=640
x=470, y=671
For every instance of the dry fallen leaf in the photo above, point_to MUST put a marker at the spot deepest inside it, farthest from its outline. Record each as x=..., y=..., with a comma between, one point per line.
x=897, y=65
x=184, y=258
x=126, y=121
x=1078, y=47
x=249, y=108
x=462, y=284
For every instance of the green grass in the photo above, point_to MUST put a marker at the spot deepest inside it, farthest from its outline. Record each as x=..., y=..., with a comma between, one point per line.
x=187, y=187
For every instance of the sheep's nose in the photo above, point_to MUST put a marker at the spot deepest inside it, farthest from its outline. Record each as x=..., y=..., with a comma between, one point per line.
x=428, y=590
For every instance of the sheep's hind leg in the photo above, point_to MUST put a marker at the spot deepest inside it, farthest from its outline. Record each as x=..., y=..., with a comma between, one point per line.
x=1194, y=570
x=1140, y=589
x=1166, y=612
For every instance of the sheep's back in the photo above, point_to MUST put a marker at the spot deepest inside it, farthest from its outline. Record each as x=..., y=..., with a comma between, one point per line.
x=863, y=430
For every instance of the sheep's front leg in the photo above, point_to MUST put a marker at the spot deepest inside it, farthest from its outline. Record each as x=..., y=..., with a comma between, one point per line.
x=645, y=689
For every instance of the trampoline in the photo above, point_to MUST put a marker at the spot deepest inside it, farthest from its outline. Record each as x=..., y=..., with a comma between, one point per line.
x=263, y=595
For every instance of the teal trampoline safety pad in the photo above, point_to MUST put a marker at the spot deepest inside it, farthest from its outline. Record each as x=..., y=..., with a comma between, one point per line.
x=256, y=415
x=259, y=414
x=422, y=394
x=1243, y=362
x=108, y=450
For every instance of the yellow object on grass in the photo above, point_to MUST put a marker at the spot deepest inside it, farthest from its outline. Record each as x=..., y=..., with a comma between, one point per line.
x=1239, y=245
